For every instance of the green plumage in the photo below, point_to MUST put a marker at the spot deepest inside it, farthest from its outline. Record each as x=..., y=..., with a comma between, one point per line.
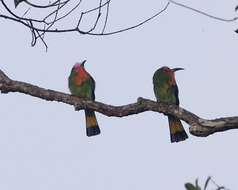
x=166, y=90
x=85, y=90
x=163, y=90
x=81, y=84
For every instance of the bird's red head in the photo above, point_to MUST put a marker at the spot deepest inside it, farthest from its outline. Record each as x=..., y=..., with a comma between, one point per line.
x=167, y=71
x=80, y=74
x=79, y=67
x=170, y=72
x=80, y=71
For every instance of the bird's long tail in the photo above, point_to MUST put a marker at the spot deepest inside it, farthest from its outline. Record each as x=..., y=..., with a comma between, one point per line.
x=177, y=132
x=92, y=127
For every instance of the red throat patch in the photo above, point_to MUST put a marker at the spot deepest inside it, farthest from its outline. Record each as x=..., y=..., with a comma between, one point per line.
x=81, y=74
x=171, y=74
x=173, y=81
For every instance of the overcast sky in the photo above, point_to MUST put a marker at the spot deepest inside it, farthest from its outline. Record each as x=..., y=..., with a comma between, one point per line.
x=43, y=144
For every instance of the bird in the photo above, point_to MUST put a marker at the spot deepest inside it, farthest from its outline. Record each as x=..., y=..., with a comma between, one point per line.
x=82, y=85
x=166, y=90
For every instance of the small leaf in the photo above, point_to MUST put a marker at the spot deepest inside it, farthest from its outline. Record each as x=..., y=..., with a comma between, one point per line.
x=17, y=2
x=236, y=8
x=190, y=186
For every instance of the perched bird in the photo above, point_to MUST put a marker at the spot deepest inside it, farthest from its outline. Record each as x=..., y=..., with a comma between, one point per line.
x=166, y=90
x=81, y=84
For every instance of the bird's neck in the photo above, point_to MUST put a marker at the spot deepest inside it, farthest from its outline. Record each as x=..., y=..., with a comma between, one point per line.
x=81, y=76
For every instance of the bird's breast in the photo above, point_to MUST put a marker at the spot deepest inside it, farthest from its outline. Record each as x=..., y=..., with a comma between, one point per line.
x=80, y=78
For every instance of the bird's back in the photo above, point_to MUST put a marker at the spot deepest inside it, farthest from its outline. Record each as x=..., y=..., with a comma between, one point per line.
x=163, y=89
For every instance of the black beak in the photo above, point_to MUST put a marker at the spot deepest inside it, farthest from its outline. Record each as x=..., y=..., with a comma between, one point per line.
x=83, y=63
x=177, y=69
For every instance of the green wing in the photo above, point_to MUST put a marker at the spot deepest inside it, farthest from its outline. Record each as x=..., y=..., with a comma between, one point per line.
x=163, y=90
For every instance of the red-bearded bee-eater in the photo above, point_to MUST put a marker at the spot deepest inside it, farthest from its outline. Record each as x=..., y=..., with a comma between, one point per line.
x=166, y=90
x=82, y=84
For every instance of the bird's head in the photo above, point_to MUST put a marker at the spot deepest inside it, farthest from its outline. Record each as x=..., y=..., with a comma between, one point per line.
x=79, y=66
x=165, y=75
x=170, y=72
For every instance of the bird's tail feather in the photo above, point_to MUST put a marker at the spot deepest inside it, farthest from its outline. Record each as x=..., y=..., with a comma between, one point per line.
x=177, y=132
x=92, y=127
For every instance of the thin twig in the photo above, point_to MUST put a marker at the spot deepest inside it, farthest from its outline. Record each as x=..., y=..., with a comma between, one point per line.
x=48, y=23
x=69, y=12
x=56, y=3
x=203, y=13
x=132, y=27
x=18, y=17
x=106, y=19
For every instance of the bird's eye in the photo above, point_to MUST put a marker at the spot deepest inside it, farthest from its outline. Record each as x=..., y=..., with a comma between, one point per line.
x=166, y=70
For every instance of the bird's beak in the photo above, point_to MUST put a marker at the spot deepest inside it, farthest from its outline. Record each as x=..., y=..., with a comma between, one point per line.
x=177, y=69
x=83, y=63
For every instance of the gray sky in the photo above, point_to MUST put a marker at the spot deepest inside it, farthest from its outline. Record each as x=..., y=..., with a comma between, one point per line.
x=43, y=144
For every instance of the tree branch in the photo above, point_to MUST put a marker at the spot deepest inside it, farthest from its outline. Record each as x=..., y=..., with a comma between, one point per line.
x=204, y=13
x=198, y=126
x=60, y=10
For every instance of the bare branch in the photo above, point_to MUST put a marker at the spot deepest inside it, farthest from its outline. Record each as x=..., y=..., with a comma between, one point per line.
x=203, y=13
x=135, y=26
x=56, y=3
x=39, y=27
x=60, y=10
x=106, y=19
x=198, y=126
